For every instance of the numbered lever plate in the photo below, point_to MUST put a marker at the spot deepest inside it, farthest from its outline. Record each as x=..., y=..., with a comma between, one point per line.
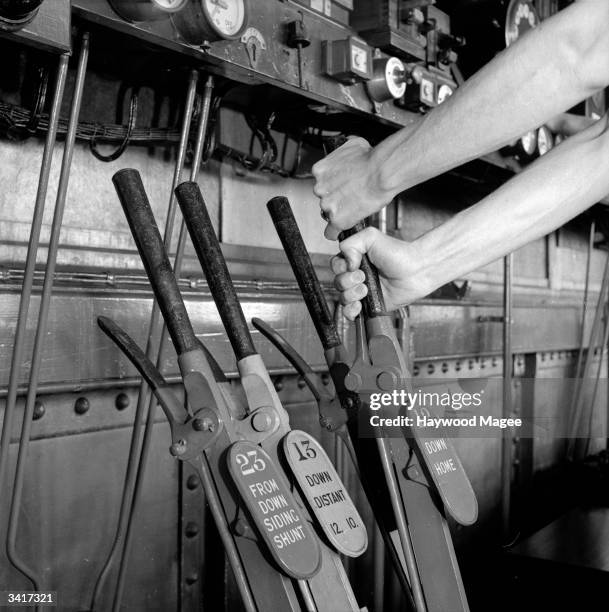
x=267, y=496
x=450, y=478
x=326, y=493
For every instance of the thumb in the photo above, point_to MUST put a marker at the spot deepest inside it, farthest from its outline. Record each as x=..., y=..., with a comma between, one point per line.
x=356, y=246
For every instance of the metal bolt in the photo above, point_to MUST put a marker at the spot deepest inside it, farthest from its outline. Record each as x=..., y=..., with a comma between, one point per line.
x=191, y=530
x=349, y=403
x=178, y=448
x=192, y=482
x=39, y=410
x=203, y=424
x=81, y=405
x=325, y=422
x=278, y=384
x=192, y=578
x=241, y=528
x=301, y=383
x=262, y=421
x=387, y=381
x=353, y=381
x=122, y=401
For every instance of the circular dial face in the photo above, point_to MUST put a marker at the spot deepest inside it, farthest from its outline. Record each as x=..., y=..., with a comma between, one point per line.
x=545, y=140
x=520, y=18
x=169, y=5
x=227, y=17
x=444, y=92
x=528, y=142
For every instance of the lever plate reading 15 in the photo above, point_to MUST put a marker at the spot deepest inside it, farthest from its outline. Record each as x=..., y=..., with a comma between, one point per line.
x=267, y=496
x=326, y=494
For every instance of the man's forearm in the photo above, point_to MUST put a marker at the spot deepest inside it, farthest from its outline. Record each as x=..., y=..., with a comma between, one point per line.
x=551, y=69
x=546, y=195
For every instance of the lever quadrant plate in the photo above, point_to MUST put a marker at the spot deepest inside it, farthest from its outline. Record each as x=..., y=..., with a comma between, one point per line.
x=274, y=510
x=328, y=498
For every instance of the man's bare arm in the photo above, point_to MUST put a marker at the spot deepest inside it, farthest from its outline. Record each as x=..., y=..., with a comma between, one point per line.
x=547, y=194
x=552, y=68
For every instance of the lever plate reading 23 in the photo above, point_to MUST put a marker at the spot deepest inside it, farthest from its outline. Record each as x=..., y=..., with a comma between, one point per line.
x=326, y=494
x=267, y=496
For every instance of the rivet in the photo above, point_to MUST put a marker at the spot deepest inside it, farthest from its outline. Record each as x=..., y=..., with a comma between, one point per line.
x=192, y=482
x=278, y=384
x=122, y=401
x=81, y=405
x=241, y=528
x=301, y=383
x=262, y=421
x=205, y=424
x=39, y=410
x=191, y=530
x=178, y=448
x=431, y=368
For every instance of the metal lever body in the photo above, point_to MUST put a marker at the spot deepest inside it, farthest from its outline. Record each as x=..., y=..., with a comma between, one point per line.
x=434, y=574
x=261, y=585
x=329, y=588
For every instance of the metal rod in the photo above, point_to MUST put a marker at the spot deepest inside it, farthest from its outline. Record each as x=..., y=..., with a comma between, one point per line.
x=576, y=415
x=597, y=380
x=149, y=428
x=582, y=330
x=28, y=278
x=152, y=352
x=506, y=440
x=225, y=535
x=400, y=518
x=41, y=330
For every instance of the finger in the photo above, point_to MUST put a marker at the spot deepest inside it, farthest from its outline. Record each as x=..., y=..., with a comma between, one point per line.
x=345, y=281
x=355, y=294
x=354, y=247
x=338, y=264
x=331, y=233
x=352, y=310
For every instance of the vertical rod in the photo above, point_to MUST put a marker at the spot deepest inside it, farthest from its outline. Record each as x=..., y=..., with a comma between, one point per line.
x=151, y=352
x=149, y=427
x=582, y=330
x=597, y=381
x=576, y=415
x=30, y=265
x=400, y=518
x=41, y=330
x=506, y=440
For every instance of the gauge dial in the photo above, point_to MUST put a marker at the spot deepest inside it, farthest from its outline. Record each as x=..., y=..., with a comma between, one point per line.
x=169, y=5
x=211, y=20
x=444, y=92
x=545, y=140
x=521, y=17
x=528, y=144
x=227, y=16
x=146, y=10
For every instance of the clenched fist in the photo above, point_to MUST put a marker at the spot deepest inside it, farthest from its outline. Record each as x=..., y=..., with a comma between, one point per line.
x=348, y=184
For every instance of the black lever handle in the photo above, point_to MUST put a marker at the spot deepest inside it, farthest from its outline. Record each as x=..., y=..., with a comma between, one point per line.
x=298, y=256
x=134, y=200
x=214, y=266
x=374, y=303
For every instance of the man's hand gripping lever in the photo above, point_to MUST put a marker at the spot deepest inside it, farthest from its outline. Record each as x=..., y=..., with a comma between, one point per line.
x=264, y=572
x=380, y=367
